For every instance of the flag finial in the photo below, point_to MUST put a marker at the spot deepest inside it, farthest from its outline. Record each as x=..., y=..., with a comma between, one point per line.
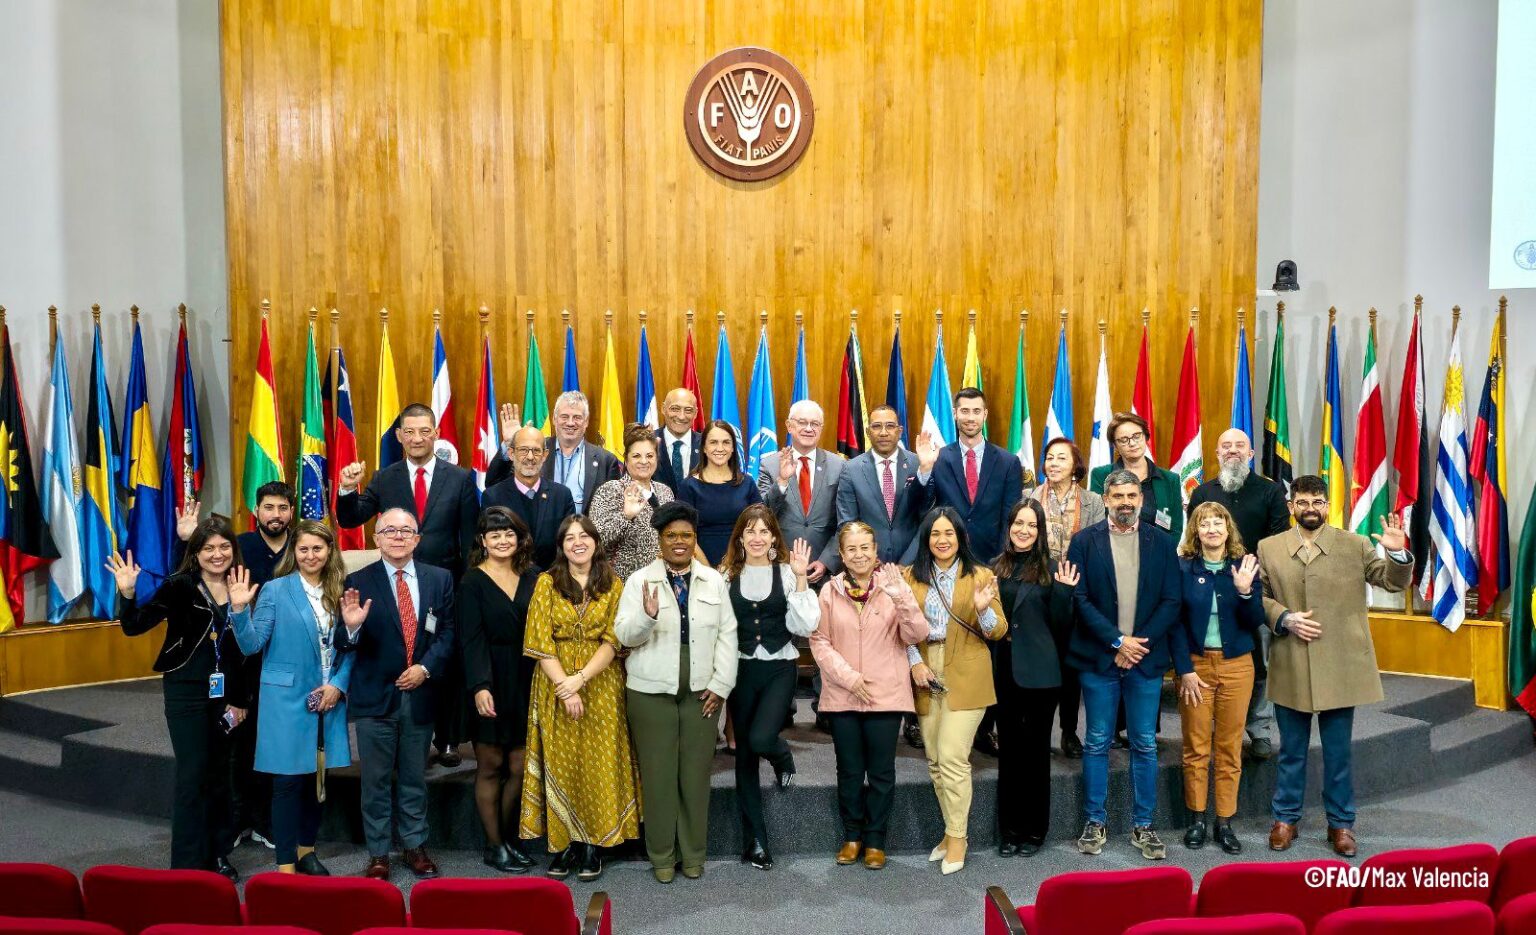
x=565, y=316
x=1103, y=326
x=762, y=316
x=1063, y=315
x=1503, y=304
x=642, y=317
x=938, y=317
x=608, y=317
x=485, y=315
x=689, y=315
x=529, y=315
x=853, y=319
x=181, y=312
x=437, y=316
x=53, y=326
x=96, y=312
x=1023, y=317
x=1455, y=319
x=383, y=316
x=971, y=317
x=720, y=317
x=133, y=312
x=1333, y=313
x=800, y=318
x=266, y=307
x=313, y=314
x=1146, y=315
x=1194, y=315
x=1418, y=304
x=335, y=316
x=1280, y=311
x=1373, y=317
x=1242, y=316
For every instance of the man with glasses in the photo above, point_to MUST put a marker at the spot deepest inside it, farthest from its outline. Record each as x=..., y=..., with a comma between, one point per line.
x=678, y=446
x=799, y=484
x=575, y=465
x=398, y=619
x=542, y=503
x=1322, y=661
x=1162, y=500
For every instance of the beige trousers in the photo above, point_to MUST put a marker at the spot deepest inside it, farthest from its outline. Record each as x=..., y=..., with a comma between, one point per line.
x=947, y=739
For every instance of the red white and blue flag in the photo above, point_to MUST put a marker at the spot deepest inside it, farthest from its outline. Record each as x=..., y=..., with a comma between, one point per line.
x=183, y=438
x=340, y=437
x=486, y=426
x=442, y=402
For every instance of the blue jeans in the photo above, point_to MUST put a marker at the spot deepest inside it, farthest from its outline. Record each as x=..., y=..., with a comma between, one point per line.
x=1102, y=693
x=1335, y=729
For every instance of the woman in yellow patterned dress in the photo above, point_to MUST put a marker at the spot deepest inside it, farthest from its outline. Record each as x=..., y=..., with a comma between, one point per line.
x=579, y=788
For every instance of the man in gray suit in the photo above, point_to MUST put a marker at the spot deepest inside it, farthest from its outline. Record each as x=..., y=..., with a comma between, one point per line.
x=799, y=484
x=879, y=487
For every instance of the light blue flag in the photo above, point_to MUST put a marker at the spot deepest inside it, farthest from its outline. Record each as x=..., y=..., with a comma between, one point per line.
x=723, y=403
x=1058, y=419
x=802, y=388
x=62, y=492
x=645, y=387
x=896, y=385
x=760, y=419
x=570, y=379
x=938, y=408
x=1242, y=391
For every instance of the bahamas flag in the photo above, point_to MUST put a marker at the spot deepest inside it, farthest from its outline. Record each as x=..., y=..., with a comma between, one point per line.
x=386, y=412
x=1331, y=465
x=939, y=406
x=310, y=471
x=761, y=423
x=138, y=473
x=263, y=443
x=103, y=523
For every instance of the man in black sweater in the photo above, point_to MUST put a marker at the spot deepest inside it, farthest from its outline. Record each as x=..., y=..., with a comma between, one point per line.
x=1258, y=506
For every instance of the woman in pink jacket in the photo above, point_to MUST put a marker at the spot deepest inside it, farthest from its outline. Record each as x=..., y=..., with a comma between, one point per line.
x=868, y=619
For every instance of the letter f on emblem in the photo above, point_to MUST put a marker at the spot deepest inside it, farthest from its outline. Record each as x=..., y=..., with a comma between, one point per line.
x=716, y=113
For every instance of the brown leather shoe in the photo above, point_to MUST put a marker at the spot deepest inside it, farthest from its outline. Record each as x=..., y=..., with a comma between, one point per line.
x=848, y=854
x=1343, y=841
x=416, y=858
x=1281, y=836
x=378, y=868
x=874, y=858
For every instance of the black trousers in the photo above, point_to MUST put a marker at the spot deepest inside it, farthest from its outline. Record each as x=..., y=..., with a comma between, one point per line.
x=1070, y=699
x=251, y=790
x=202, y=820
x=295, y=815
x=865, y=744
x=763, y=693
x=450, y=704
x=1024, y=717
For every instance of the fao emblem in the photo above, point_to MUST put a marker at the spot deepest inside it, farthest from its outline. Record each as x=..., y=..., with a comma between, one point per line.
x=748, y=114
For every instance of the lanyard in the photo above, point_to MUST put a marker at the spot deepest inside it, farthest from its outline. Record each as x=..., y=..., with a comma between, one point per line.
x=219, y=611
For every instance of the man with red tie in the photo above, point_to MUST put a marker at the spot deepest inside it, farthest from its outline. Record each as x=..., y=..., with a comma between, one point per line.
x=800, y=485
x=398, y=620
x=979, y=480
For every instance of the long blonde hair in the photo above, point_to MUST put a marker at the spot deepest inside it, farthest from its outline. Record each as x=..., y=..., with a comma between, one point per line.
x=1189, y=547
x=333, y=576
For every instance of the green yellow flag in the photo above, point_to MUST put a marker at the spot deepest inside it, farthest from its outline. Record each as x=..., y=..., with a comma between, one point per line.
x=263, y=443
x=535, y=402
x=311, y=470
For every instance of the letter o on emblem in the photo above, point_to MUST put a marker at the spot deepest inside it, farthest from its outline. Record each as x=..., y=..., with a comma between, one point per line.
x=748, y=114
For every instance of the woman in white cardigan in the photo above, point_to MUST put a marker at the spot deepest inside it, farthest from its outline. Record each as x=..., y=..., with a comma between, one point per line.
x=675, y=617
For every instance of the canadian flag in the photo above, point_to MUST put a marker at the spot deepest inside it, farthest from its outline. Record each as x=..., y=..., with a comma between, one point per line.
x=1188, y=453
x=442, y=403
x=486, y=426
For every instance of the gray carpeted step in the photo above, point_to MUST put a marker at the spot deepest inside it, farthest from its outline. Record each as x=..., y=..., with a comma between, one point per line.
x=33, y=751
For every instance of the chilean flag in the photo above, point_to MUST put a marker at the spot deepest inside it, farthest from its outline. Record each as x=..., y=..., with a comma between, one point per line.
x=442, y=402
x=341, y=438
x=486, y=428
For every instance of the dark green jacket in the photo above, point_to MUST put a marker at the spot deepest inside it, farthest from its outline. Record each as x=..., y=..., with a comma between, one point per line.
x=1165, y=488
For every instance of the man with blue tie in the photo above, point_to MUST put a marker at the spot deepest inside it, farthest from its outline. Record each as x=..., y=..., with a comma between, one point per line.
x=978, y=479
x=398, y=618
x=677, y=444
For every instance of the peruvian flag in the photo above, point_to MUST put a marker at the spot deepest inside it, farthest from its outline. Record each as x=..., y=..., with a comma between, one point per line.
x=486, y=428
x=442, y=402
x=1188, y=453
x=1410, y=455
x=1141, y=395
x=340, y=438
x=691, y=383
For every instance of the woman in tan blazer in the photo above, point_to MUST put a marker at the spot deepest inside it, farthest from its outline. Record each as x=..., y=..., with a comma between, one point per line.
x=953, y=666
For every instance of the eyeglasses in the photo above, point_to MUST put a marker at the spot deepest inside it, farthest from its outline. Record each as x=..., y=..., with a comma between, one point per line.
x=1310, y=504
x=1125, y=441
x=809, y=423
x=528, y=451
x=395, y=532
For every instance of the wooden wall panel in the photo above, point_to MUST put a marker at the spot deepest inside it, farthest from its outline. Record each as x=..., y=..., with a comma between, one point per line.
x=999, y=154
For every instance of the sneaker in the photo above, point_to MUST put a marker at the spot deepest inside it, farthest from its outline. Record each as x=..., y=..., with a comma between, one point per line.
x=1091, y=841
x=261, y=839
x=1150, y=845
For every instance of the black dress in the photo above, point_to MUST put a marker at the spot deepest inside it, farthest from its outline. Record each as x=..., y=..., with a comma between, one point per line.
x=491, y=626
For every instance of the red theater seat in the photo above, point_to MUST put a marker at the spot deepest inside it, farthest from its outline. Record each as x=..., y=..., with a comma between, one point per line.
x=418, y=930
x=1479, y=863
x=132, y=898
x=27, y=925
x=1462, y=917
x=328, y=905
x=538, y=906
x=1237, y=889
x=1258, y=923
x=39, y=890
x=181, y=928
x=1518, y=916
x=1107, y=902
x=1517, y=872
x=999, y=915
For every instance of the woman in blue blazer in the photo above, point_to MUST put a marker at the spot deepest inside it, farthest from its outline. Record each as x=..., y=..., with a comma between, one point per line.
x=1212, y=645
x=303, y=684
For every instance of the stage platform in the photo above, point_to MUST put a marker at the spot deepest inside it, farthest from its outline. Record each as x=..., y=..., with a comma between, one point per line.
x=107, y=747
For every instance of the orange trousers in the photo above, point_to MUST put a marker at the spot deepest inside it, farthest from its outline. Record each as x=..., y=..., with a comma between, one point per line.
x=1213, y=729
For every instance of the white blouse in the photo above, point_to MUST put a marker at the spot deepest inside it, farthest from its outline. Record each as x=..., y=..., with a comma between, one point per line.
x=804, y=608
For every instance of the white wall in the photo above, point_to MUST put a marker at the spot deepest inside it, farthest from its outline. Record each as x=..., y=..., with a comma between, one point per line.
x=111, y=191
x=1375, y=167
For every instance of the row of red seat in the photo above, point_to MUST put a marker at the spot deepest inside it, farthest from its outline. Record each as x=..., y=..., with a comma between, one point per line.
x=135, y=901
x=1474, y=888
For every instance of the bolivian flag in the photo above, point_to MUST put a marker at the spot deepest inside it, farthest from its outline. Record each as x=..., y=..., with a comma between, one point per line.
x=263, y=442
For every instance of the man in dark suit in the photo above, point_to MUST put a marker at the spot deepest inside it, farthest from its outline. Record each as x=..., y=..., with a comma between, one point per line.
x=398, y=621
x=678, y=446
x=978, y=479
x=1127, y=599
x=445, y=499
x=574, y=464
x=879, y=488
x=541, y=503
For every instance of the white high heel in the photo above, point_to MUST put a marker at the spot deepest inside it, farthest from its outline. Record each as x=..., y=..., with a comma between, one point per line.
x=955, y=867
x=938, y=853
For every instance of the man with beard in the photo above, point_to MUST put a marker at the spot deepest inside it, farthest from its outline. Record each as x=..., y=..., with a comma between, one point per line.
x=978, y=479
x=1258, y=506
x=542, y=503
x=1322, y=662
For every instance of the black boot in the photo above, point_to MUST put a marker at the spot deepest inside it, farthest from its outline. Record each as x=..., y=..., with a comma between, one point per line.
x=591, y=863
x=310, y=866
x=1227, y=838
x=497, y=857
x=223, y=867
x=1071, y=747
x=564, y=862
x=757, y=855
x=1194, y=835
x=519, y=857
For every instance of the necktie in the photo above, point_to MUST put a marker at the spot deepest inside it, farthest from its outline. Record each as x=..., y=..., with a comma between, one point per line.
x=888, y=490
x=677, y=462
x=421, y=493
x=805, y=485
x=407, y=615
x=971, y=478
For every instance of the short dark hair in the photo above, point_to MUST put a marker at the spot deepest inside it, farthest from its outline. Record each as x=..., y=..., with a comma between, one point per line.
x=1079, y=469
x=886, y=406
x=1128, y=418
x=672, y=512
x=276, y=488
x=495, y=519
x=636, y=433
x=1121, y=477
x=969, y=392
x=418, y=409
x=1309, y=484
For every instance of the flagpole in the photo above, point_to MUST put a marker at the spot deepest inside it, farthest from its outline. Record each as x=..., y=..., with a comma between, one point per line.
x=1418, y=311
x=53, y=328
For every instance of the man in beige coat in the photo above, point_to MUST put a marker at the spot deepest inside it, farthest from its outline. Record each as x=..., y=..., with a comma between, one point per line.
x=1322, y=661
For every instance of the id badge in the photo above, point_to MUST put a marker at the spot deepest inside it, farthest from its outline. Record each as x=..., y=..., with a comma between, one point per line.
x=1164, y=520
x=431, y=624
x=216, y=685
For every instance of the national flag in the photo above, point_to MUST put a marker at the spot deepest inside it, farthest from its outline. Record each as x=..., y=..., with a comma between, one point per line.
x=1453, y=567
x=939, y=406
x=723, y=403
x=1522, y=618
x=1410, y=452
x=762, y=425
x=1488, y=469
x=690, y=381
x=341, y=439
x=1021, y=432
x=1141, y=392
x=386, y=407
x=103, y=531
x=1058, y=417
x=535, y=401
x=447, y=446
x=263, y=441
x=570, y=378
x=1242, y=389
x=1188, y=451
x=1100, y=451
x=970, y=374
x=802, y=387
x=487, y=422
x=138, y=474
x=25, y=543
x=1277, y=417
x=1331, y=466
x=645, y=386
x=183, y=460
x=610, y=413
x=311, y=470
x=62, y=490
x=1369, y=501
x=852, y=416
x=895, y=381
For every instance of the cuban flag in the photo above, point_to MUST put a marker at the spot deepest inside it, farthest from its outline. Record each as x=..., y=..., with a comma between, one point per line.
x=487, y=429
x=1058, y=418
x=645, y=387
x=442, y=402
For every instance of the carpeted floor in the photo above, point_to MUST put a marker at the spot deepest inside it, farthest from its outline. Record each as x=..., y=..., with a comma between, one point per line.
x=810, y=894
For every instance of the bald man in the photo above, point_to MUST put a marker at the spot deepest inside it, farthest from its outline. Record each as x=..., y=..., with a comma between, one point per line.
x=677, y=444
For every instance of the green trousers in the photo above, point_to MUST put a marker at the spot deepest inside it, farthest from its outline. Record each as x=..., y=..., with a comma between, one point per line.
x=675, y=744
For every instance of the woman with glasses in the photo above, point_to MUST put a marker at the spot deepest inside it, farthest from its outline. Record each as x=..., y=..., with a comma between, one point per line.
x=621, y=509
x=718, y=490
x=1162, y=503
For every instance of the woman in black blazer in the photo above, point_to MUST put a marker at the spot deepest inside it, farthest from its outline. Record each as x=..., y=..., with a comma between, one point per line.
x=1026, y=671
x=1212, y=646
x=208, y=686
